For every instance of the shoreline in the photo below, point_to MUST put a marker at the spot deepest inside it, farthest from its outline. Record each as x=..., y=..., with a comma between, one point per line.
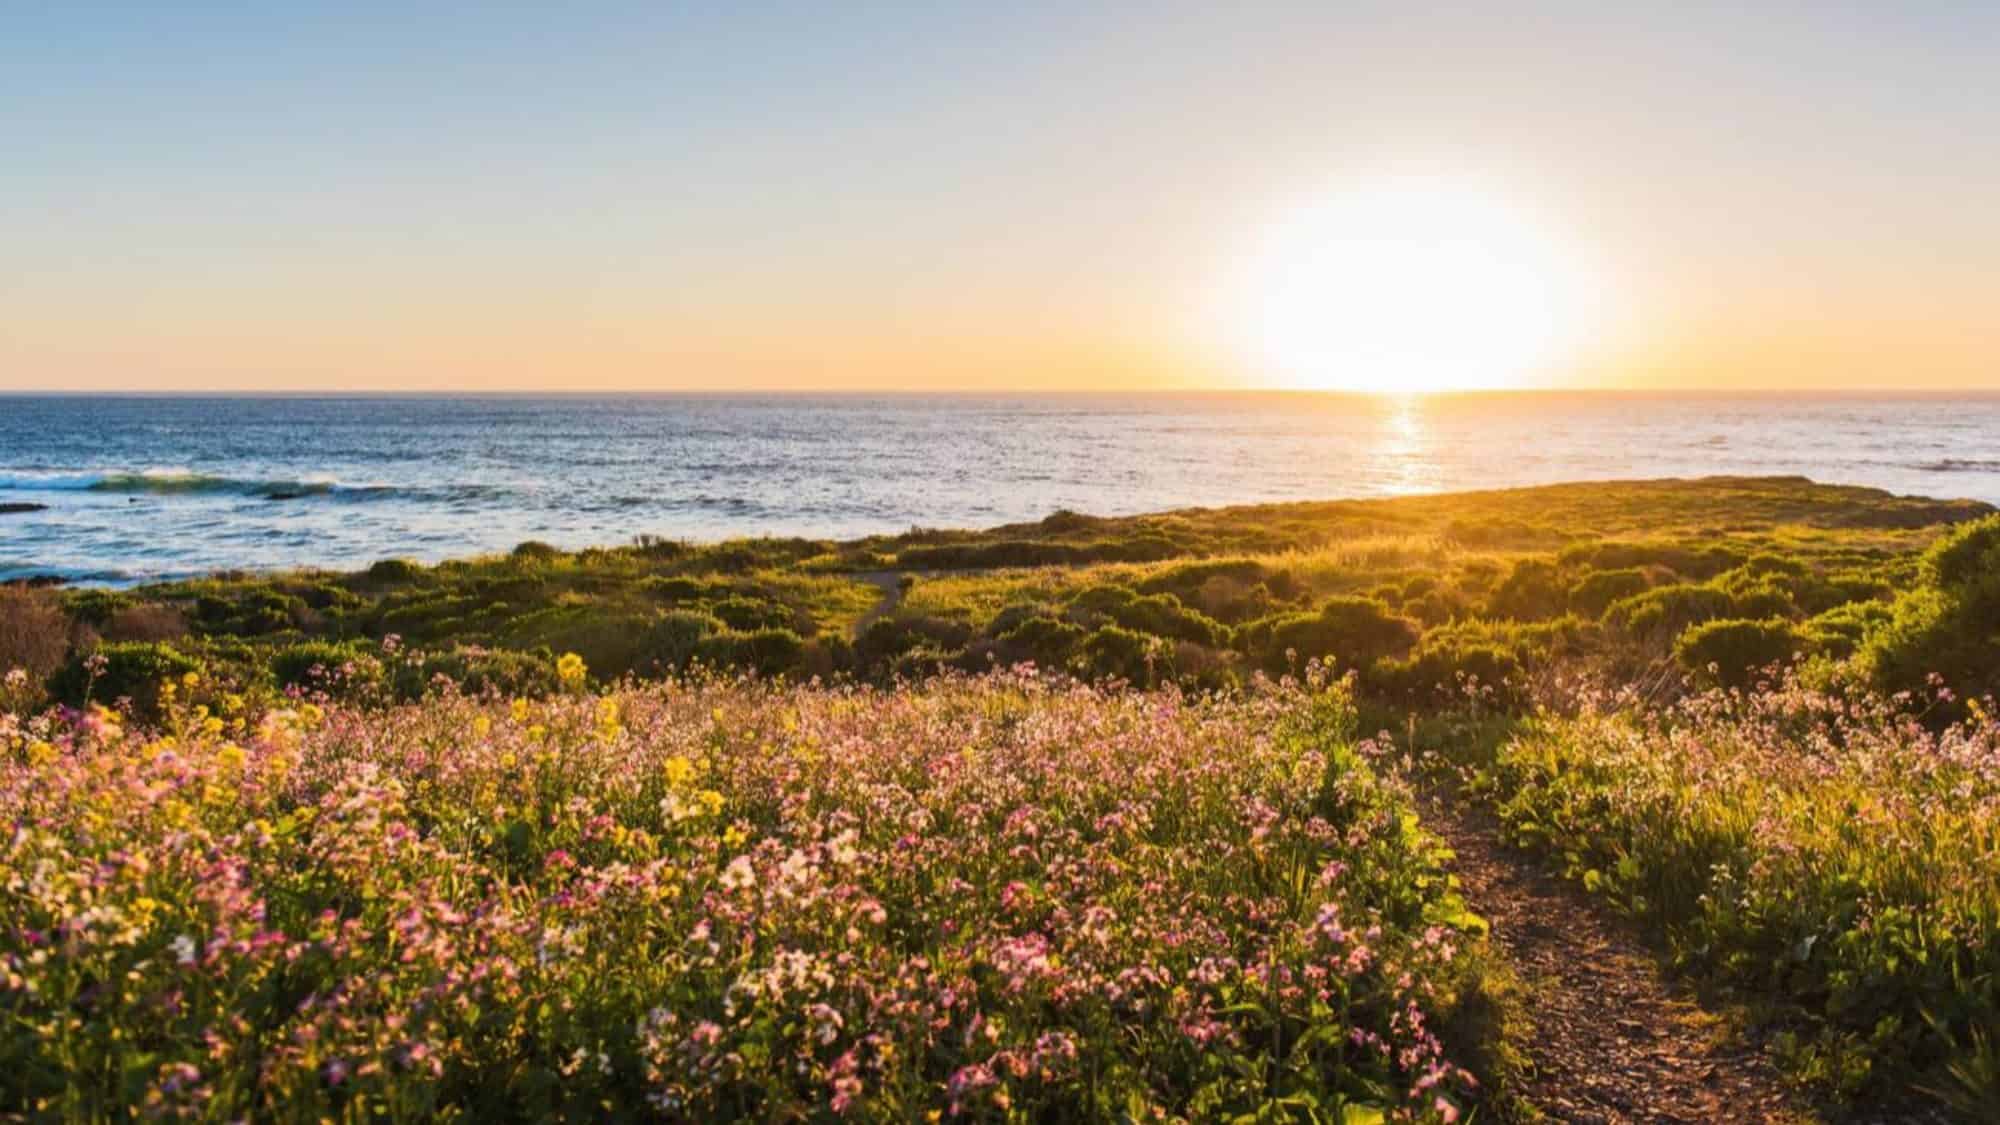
x=96, y=580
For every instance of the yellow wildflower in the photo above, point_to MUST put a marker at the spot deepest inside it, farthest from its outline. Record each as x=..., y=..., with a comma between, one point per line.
x=519, y=709
x=679, y=771
x=571, y=670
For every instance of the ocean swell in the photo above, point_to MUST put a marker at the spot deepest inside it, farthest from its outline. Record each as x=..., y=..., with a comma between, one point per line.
x=1961, y=465
x=173, y=482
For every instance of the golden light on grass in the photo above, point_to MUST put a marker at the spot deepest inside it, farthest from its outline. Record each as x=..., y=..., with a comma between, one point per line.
x=1409, y=285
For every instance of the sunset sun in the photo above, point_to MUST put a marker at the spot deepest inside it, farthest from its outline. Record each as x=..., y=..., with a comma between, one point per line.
x=1410, y=285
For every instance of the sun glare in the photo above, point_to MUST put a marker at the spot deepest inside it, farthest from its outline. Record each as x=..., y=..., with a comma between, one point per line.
x=1408, y=286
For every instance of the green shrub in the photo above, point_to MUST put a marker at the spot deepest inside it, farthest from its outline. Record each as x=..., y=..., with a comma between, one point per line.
x=750, y=614
x=256, y=612
x=1122, y=654
x=477, y=671
x=1045, y=640
x=96, y=606
x=1592, y=594
x=1533, y=590
x=673, y=640
x=1734, y=652
x=1949, y=626
x=111, y=672
x=1668, y=609
x=1839, y=631
x=341, y=670
x=767, y=652
x=609, y=638
x=395, y=570
x=679, y=588
x=1697, y=563
x=889, y=637
x=534, y=550
x=420, y=614
x=1352, y=632
x=1446, y=670
x=1161, y=615
x=1816, y=596
x=1016, y=613
x=1186, y=578
x=322, y=595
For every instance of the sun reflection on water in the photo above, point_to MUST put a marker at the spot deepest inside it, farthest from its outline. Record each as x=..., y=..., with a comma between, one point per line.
x=1403, y=459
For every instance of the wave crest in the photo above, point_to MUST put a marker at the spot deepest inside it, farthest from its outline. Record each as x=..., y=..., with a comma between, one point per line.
x=170, y=482
x=1962, y=465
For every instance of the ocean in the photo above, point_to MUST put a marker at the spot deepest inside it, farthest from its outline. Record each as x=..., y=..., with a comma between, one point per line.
x=133, y=488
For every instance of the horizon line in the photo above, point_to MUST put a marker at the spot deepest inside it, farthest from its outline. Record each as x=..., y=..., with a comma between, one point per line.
x=1004, y=392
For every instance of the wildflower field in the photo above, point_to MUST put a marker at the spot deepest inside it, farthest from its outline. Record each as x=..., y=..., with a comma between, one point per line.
x=1835, y=854
x=1059, y=822
x=993, y=899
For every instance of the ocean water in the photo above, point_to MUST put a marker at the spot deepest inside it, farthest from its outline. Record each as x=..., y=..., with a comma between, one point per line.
x=140, y=487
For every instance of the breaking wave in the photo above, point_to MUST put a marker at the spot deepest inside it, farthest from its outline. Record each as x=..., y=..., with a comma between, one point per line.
x=171, y=482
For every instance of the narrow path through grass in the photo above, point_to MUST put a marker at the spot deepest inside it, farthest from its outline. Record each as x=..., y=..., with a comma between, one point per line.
x=1615, y=1042
x=890, y=582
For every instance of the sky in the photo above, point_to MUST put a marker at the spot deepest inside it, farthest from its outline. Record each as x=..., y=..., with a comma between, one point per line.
x=937, y=196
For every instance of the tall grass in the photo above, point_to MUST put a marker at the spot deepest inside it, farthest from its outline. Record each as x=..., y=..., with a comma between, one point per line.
x=1834, y=856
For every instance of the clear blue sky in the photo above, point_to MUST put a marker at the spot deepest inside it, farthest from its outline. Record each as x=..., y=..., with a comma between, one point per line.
x=942, y=195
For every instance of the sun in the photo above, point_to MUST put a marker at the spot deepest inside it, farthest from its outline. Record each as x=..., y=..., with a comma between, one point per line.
x=1410, y=285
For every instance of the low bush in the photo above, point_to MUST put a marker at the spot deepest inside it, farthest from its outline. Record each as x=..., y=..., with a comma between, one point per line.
x=1592, y=594
x=674, y=638
x=395, y=571
x=34, y=633
x=1532, y=591
x=131, y=671
x=146, y=621
x=1948, y=626
x=1734, y=652
x=750, y=614
x=1669, y=610
x=1840, y=631
x=1450, y=671
x=1044, y=640
x=1116, y=653
x=767, y=652
x=476, y=672
x=337, y=670
x=887, y=638
x=1351, y=632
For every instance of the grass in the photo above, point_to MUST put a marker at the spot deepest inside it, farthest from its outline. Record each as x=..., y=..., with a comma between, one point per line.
x=1754, y=712
x=1636, y=564
x=1836, y=859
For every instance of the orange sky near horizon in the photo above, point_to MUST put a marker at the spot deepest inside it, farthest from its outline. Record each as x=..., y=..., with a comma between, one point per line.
x=359, y=197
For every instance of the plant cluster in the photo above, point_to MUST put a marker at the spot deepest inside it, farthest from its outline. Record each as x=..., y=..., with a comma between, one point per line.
x=993, y=899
